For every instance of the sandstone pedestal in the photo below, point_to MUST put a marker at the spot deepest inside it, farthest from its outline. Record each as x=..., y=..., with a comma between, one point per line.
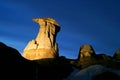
x=44, y=46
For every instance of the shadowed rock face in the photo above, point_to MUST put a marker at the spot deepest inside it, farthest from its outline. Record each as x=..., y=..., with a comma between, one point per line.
x=116, y=56
x=15, y=67
x=44, y=46
x=107, y=76
x=86, y=56
x=86, y=50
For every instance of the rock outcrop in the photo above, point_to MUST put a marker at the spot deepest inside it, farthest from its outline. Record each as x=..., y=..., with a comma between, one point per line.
x=14, y=66
x=86, y=51
x=86, y=57
x=44, y=46
x=116, y=56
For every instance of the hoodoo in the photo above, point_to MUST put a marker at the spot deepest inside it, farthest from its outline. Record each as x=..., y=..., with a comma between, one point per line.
x=44, y=46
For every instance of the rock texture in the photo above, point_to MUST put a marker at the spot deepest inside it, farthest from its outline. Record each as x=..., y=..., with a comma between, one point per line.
x=86, y=57
x=86, y=50
x=44, y=46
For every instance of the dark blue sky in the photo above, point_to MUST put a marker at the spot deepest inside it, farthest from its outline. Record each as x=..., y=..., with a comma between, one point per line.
x=94, y=22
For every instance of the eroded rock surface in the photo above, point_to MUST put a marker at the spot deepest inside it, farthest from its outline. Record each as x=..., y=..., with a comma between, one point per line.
x=86, y=57
x=86, y=50
x=44, y=46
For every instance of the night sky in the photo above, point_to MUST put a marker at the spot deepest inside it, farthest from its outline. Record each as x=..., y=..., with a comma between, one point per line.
x=94, y=22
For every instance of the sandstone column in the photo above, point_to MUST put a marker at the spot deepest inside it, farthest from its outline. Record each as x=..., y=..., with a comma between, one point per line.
x=44, y=46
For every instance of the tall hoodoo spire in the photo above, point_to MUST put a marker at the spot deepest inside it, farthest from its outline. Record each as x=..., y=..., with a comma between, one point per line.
x=44, y=46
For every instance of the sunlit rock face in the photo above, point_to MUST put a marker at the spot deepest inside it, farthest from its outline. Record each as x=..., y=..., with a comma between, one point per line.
x=44, y=46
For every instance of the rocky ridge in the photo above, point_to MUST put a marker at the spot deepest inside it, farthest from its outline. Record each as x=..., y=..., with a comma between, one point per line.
x=15, y=67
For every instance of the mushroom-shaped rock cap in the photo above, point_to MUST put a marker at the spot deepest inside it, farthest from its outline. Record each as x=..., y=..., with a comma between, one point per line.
x=49, y=20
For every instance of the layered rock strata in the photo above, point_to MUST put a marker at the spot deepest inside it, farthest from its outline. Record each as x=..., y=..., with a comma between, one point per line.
x=44, y=46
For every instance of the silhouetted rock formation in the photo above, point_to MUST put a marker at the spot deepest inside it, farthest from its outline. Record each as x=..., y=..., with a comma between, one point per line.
x=15, y=67
x=116, y=56
x=107, y=76
x=104, y=57
x=53, y=68
x=44, y=46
